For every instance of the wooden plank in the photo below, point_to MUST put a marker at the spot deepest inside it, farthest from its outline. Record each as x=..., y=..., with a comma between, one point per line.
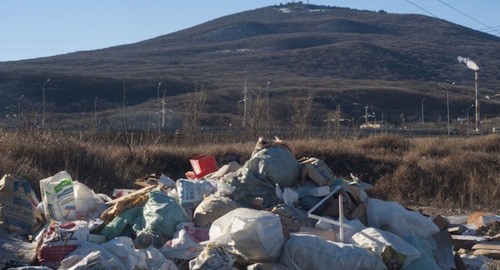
x=487, y=245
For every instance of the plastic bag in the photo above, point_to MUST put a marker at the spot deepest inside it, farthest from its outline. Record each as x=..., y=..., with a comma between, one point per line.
x=379, y=241
x=119, y=253
x=15, y=251
x=256, y=235
x=161, y=215
x=60, y=239
x=260, y=174
x=213, y=257
x=316, y=170
x=88, y=204
x=185, y=244
x=303, y=252
x=58, y=197
x=212, y=208
x=396, y=219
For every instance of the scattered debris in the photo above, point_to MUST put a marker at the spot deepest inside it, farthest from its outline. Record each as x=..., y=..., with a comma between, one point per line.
x=272, y=212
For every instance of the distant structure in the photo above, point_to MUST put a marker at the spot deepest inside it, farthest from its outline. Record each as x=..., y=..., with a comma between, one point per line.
x=472, y=65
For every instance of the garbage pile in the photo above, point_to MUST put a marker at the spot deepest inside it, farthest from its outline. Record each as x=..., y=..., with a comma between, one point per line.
x=272, y=212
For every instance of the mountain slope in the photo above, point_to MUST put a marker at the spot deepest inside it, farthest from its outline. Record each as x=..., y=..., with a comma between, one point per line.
x=351, y=55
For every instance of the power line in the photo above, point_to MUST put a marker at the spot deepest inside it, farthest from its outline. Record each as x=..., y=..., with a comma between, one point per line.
x=423, y=9
x=470, y=17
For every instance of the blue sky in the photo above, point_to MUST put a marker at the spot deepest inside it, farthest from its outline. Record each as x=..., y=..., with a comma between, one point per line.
x=38, y=28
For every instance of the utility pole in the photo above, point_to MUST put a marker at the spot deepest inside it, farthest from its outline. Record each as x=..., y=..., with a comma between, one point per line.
x=267, y=99
x=245, y=99
x=366, y=115
x=95, y=113
x=448, y=106
x=476, y=75
x=159, y=108
x=423, y=99
x=43, y=102
x=163, y=109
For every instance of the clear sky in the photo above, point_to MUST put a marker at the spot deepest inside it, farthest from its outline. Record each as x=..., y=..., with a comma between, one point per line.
x=38, y=28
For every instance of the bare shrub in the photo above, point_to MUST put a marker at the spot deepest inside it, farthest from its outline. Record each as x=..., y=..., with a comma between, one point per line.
x=459, y=172
x=388, y=143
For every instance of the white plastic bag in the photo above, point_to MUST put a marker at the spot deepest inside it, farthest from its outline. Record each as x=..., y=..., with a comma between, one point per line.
x=303, y=252
x=61, y=239
x=88, y=204
x=185, y=244
x=378, y=240
x=58, y=197
x=256, y=235
x=119, y=253
x=395, y=218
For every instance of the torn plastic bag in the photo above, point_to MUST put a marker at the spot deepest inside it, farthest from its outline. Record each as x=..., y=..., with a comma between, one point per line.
x=122, y=224
x=395, y=218
x=260, y=174
x=18, y=207
x=380, y=242
x=256, y=235
x=103, y=259
x=118, y=253
x=16, y=252
x=160, y=216
x=186, y=243
x=213, y=257
x=304, y=252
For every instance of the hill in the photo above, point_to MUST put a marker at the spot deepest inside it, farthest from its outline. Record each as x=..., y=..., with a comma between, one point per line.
x=336, y=57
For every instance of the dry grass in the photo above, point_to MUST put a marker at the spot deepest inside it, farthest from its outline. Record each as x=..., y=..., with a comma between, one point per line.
x=438, y=171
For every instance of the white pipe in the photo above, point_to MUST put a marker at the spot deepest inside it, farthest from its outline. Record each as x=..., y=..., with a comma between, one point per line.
x=341, y=217
x=329, y=220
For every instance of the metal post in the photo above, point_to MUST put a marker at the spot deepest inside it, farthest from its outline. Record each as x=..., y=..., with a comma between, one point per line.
x=448, y=107
x=476, y=74
x=467, y=119
x=245, y=99
x=163, y=109
x=448, y=112
x=43, y=102
x=267, y=99
x=366, y=115
x=423, y=99
x=95, y=113
x=159, y=108
x=19, y=106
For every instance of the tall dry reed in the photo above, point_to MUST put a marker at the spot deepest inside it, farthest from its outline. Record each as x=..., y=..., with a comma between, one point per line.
x=456, y=172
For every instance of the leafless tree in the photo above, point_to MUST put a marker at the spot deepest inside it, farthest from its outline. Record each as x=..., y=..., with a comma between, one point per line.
x=195, y=105
x=303, y=108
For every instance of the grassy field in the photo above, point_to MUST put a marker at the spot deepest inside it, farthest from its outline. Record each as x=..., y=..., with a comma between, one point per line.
x=451, y=172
